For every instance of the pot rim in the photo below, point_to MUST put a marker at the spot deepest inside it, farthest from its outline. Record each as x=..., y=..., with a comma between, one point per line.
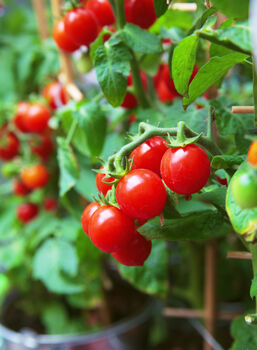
x=76, y=339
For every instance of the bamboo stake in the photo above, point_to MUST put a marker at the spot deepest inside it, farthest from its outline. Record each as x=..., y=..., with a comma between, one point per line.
x=67, y=76
x=210, y=289
x=239, y=255
x=42, y=23
x=243, y=109
x=192, y=313
x=187, y=7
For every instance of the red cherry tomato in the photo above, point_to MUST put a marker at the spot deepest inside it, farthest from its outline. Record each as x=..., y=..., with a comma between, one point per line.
x=37, y=118
x=107, y=36
x=132, y=118
x=50, y=204
x=222, y=181
x=35, y=176
x=164, y=94
x=110, y=229
x=81, y=26
x=27, y=212
x=19, y=189
x=136, y=252
x=9, y=144
x=55, y=95
x=149, y=154
x=185, y=170
x=101, y=186
x=61, y=38
x=20, y=116
x=42, y=146
x=141, y=194
x=103, y=11
x=130, y=100
x=140, y=12
x=87, y=214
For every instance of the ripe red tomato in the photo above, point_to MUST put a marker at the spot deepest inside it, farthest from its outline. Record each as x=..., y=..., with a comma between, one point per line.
x=37, y=118
x=102, y=10
x=135, y=253
x=20, y=116
x=9, y=144
x=50, y=204
x=130, y=100
x=35, y=176
x=87, y=214
x=101, y=186
x=55, y=95
x=141, y=194
x=164, y=94
x=61, y=38
x=81, y=26
x=27, y=212
x=132, y=119
x=252, y=154
x=19, y=189
x=141, y=13
x=110, y=229
x=149, y=154
x=185, y=170
x=42, y=146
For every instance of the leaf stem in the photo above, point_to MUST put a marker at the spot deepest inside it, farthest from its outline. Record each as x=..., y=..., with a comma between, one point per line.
x=253, y=249
x=120, y=13
x=211, y=119
x=71, y=131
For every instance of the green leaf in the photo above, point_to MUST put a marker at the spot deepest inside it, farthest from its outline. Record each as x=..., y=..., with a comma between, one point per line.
x=210, y=73
x=244, y=221
x=195, y=227
x=244, y=334
x=183, y=61
x=236, y=37
x=203, y=18
x=55, y=263
x=171, y=19
x=217, y=196
x=86, y=184
x=93, y=121
x=253, y=290
x=160, y=6
x=151, y=278
x=226, y=161
x=240, y=9
x=140, y=40
x=69, y=172
x=112, y=64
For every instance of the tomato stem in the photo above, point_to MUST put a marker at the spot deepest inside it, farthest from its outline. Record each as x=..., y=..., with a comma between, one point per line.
x=71, y=131
x=120, y=13
x=253, y=249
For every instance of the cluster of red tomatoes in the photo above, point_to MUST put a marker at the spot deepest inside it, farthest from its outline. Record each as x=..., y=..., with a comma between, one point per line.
x=30, y=124
x=81, y=26
x=141, y=195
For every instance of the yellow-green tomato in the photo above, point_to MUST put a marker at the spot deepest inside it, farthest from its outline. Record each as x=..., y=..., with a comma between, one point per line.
x=244, y=190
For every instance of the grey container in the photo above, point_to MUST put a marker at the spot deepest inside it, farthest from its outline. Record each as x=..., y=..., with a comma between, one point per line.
x=130, y=334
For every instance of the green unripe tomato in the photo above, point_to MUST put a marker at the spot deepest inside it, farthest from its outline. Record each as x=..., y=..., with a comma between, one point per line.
x=10, y=169
x=244, y=190
x=84, y=64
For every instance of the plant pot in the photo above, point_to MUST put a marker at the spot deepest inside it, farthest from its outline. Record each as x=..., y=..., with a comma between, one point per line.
x=129, y=334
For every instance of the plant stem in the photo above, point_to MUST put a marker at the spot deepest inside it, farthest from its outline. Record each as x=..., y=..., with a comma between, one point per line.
x=211, y=118
x=255, y=91
x=195, y=278
x=120, y=13
x=71, y=131
x=137, y=83
x=253, y=249
x=146, y=131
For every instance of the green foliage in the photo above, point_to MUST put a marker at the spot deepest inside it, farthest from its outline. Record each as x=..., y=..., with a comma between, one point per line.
x=160, y=7
x=244, y=335
x=253, y=290
x=153, y=276
x=112, y=64
x=226, y=161
x=240, y=9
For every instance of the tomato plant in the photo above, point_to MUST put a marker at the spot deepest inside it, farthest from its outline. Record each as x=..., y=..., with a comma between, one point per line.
x=9, y=144
x=102, y=10
x=244, y=189
x=27, y=212
x=102, y=182
x=61, y=38
x=19, y=118
x=19, y=189
x=86, y=215
x=55, y=95
x=37, y=117
x=141, y=13
x=35, y=176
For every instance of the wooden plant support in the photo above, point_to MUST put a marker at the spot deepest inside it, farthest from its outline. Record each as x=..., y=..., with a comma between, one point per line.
x=243, y=109
x=42, y=23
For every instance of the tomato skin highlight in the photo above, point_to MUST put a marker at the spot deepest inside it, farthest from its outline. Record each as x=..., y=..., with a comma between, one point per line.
x=19, y=189
x=140, y=12
x=136, y=252
x=103, y=11
x=110, y=229
x=141, y=194
x=81, y=26
x=101, y=186
x=149, y=154
x=55, y=95
x=244, y=190
x=252, y=154
x=87, y=214
x=9, y=144
x=20, y=116
x=185, y=170
x=61, y=38
x=27, y=212
x=35, y=176
x=37, y=118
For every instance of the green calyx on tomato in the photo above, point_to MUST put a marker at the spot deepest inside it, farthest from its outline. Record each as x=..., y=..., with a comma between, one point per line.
x=181, y=140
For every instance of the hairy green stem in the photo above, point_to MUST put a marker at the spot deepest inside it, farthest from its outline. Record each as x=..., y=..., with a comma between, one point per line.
x=146, y=131
x=120, y=13
x=137, y=83
x=253, y=249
